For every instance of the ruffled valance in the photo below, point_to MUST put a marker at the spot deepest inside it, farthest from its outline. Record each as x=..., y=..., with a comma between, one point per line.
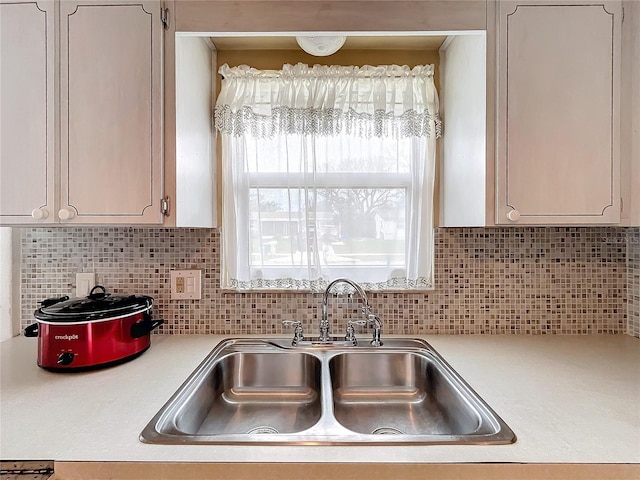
x=368, y=101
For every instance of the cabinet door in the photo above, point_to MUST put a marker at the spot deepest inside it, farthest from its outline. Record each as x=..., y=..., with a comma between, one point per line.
x=110, y=58
x=27, y=74
x=558, y=139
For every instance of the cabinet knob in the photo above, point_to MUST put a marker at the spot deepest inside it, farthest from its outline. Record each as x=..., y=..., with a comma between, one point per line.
x=39, y=213
x=513, y=215
x=66, y=214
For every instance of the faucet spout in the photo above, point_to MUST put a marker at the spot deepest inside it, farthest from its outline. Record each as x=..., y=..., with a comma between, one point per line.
x=325, y=333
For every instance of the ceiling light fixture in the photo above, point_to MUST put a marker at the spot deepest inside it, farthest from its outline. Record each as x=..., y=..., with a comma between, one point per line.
x=321, y=46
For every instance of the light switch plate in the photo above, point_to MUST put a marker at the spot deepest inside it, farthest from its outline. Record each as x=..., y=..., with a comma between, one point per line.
x=186, y=284
x=84, y=283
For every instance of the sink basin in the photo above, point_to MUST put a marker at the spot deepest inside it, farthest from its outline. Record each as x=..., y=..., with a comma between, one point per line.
x=268, y=392
x=400, y=393
x=249, y=392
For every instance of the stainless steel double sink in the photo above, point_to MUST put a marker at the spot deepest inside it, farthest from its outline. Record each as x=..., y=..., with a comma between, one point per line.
x=268, y=392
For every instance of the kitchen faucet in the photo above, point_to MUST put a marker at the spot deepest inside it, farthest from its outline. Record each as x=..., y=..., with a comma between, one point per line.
x=372, y=318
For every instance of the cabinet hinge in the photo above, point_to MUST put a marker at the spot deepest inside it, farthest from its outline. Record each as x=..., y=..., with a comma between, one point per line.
x=164, y=17
x=164, y=206
x=621, y=204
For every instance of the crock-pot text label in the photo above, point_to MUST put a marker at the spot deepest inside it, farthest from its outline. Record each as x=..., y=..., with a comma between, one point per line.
x=67, y=337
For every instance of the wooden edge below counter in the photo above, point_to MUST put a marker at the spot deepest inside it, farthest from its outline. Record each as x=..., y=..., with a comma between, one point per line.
x=342, y=471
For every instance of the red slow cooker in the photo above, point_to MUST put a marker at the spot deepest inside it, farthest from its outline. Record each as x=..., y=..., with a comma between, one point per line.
x=97, y=331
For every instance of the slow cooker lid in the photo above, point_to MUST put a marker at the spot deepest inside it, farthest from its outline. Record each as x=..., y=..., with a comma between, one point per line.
x=94, y=307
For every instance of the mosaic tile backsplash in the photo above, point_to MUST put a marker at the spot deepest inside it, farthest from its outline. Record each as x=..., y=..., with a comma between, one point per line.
x=488, y=281
x=633, y=282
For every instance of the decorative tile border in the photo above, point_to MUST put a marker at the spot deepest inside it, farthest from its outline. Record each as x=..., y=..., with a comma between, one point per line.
x=488, y=281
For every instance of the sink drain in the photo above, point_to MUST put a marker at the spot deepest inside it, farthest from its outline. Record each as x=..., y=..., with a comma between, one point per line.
x=386, y=431
x=262, y=429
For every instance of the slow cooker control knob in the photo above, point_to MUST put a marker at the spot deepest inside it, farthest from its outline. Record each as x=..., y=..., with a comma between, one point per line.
x=65, y=358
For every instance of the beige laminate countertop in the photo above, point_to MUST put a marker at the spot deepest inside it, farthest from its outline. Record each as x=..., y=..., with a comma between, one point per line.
x=569, y=399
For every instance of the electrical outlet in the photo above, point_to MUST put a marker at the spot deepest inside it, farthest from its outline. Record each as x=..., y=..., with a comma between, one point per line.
x=84, y=283
x=180, y=281
x=186, y=284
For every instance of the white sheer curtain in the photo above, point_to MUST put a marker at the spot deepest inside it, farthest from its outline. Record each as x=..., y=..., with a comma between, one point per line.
x=327, y=171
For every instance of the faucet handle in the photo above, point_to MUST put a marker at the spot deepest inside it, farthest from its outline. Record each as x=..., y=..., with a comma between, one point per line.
x=351, y=331
x=357, y=322
x=375, y=321
x=298, y=334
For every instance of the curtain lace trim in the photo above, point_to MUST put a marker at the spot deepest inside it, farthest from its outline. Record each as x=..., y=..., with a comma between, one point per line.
x=325, y=122
x=319, y=285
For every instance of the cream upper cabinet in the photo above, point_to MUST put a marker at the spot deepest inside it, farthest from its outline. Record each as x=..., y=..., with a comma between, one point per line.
x=110, y=116
x=558, y=135
x=27, y=113
x=630, y=114
x=81, y=112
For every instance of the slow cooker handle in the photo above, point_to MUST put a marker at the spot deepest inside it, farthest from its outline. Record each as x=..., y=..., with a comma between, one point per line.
x=145, y=327
x=31, y=330
x=52, y=301
x=94, y=296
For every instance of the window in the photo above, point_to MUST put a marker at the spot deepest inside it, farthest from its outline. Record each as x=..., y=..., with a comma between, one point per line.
x=327, y=172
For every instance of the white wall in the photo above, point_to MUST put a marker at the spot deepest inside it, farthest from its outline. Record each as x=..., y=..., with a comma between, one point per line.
x=195, y=145
x=463, y=111
x=8, y=284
